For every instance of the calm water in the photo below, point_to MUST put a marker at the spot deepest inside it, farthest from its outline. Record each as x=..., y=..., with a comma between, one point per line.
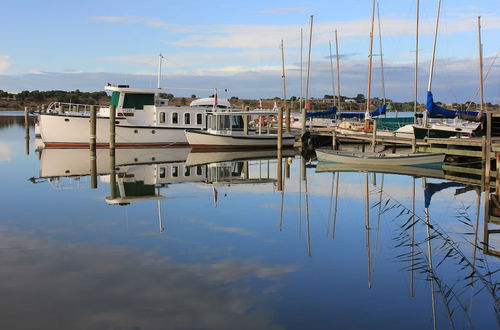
x=219, y=247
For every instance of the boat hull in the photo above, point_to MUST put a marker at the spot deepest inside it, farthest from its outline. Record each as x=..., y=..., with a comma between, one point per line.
x=202, y=139
x=378, y=159
x=59, y=131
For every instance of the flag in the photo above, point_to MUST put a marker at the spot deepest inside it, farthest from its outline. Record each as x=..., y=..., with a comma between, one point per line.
x=215, y=100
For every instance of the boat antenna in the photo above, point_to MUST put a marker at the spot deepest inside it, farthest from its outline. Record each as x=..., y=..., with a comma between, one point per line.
x=431, y=71
x=160, y=57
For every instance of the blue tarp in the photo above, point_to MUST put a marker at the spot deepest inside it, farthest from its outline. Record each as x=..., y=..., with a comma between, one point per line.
x=432, y=188
x=377, y=112
x=329, y=112
x=435, y=111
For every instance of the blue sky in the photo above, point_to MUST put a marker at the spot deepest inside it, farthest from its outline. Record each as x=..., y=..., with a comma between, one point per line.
x=228, y=44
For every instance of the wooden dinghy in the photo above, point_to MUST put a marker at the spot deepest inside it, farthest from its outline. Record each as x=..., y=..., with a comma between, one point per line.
x=380, y=159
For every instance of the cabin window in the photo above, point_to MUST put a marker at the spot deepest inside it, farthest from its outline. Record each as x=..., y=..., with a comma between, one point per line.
x=138, y=101
x=175, y=171
x=175, y=118
x=187, y=171
x=199, y=119
x=162, y=117
x=187, y=118
x=163, y=172
x=199, y=170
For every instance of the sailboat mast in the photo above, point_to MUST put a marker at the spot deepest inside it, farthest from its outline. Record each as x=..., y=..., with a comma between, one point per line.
x=331, y=69
x=308, y=76
x=415, y=103
x=368, y=97
x=431, y=71
x=481, y=95
x=287, y=110
x=338, y=69
x=301, y=49
x=381, y=53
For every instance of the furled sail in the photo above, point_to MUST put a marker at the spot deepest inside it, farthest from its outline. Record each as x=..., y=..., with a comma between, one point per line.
x=435, y=111
x=377, y=112
x=330, y=113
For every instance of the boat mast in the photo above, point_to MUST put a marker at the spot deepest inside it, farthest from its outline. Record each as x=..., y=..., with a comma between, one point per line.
x=160, y=57
x=415, y=103
x=283, y=76
x=308, y=76
x=381, y=54
x=301, y=48
x=331, y=69
x=481, y=96
x=370, y=60
x=338, y=69
x=431, y=71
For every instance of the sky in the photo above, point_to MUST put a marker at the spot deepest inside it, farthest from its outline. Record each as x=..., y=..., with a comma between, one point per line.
x=232, y=45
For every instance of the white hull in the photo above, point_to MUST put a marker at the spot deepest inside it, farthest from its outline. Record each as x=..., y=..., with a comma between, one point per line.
x=76, y=162
x=199, y=157
x=202, y=139
x=380, y=159
x=60, y=131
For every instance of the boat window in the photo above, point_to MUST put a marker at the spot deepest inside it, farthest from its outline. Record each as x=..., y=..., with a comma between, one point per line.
x=163, y=172
x=187, y=171
x=199, y=170
x=187, y=118
x=162, y=117
x=199, y=119
x=175, y=118
x=138, y=101
x=175, y=171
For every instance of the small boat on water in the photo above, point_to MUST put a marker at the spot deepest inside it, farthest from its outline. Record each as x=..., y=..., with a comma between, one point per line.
x=226, y=130
x=380, y=159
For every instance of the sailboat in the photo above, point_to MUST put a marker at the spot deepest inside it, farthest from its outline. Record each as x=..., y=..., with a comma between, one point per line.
x=459, y=127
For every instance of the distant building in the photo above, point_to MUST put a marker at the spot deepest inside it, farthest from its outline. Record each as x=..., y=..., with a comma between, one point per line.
x=350, y=101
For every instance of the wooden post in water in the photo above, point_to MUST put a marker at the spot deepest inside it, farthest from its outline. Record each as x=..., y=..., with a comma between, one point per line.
x=374, y=136
x=497, y=178
x=112, y=160
x=334, y=139
x=279, y=168
x=414, y=145
x=488, y=148
x=92, y=146
x=27, y=130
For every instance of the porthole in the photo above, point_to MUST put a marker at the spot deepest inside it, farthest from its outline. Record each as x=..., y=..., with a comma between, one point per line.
x=153, y=131
x=153, y=159
x=135, y=159
x=136, y=131
x=66, y=119
x=67, y=171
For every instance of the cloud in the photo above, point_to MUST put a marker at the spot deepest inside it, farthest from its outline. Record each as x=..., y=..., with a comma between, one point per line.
x=283, y=10
x=84, y=286
x=5, y=63
x=5, y=152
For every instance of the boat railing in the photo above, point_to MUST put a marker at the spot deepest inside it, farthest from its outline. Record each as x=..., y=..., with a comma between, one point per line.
x=68, y=107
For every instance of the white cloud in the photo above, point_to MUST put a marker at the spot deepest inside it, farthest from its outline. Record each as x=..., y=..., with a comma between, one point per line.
x=5, y=63
x=5, y=153
x=283, y=10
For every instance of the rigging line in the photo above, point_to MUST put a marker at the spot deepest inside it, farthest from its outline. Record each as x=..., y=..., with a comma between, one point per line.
x=485, y=78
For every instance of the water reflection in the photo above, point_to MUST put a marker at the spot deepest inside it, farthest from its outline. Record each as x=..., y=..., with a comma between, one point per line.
x=234, y=250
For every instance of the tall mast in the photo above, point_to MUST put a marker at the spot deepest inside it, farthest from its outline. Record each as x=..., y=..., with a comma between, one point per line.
x=301, y=49
x=338, y=68
x=160, y=57
x=370, y=60
x=481, y=96
x=381, y=54
x=415, y=103
x=308, y=75
x=331, y=69
x=431, y=71
x=287, y=111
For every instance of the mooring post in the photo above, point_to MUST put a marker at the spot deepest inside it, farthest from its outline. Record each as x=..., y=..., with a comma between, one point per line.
x=92, y=146
x=279, y=168
x=488, y=148
x=374, y=136
x=112, y=160
x=27, y=130
x=497, y=177
x=413, y=145
x=334, y=139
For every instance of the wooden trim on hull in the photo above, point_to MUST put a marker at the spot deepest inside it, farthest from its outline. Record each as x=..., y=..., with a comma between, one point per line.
x=118, y=145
